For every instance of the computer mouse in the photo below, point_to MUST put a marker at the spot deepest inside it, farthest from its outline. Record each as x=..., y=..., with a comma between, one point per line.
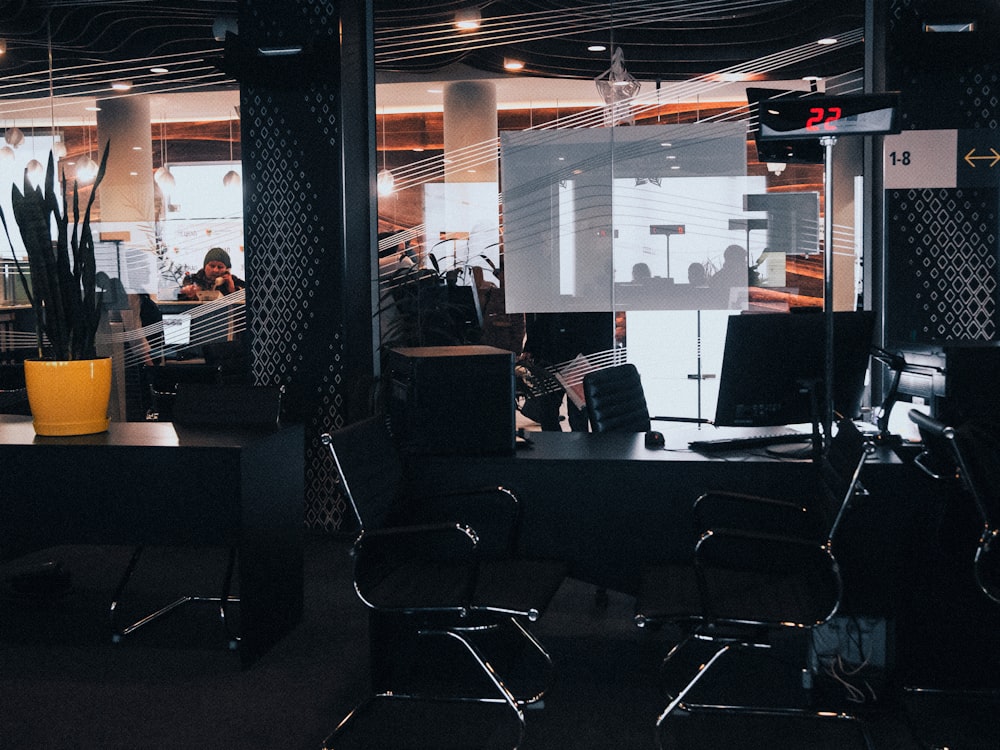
x=654, y=439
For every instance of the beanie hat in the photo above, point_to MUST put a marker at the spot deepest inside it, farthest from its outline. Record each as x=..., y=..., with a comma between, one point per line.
x=217, y=253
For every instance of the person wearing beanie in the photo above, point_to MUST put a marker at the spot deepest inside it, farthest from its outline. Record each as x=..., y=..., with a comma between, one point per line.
x=215, y=275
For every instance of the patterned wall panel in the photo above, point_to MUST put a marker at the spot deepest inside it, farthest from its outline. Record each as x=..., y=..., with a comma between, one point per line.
x=941, y=244
x=942, y=265
x=294, y=183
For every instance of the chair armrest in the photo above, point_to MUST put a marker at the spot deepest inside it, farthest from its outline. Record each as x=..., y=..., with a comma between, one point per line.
x=735, y=510
x=431, y=566
x=766, y=579
x=492, y=512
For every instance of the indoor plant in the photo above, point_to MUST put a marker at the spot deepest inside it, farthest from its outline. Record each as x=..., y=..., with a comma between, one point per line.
x=67, y=304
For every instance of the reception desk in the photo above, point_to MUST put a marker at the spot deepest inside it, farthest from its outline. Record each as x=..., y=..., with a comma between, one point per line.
x=156, y=483
x=607, y=504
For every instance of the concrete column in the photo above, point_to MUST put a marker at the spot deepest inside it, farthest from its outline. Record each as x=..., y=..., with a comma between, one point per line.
x=470, y=120
x=127, y=191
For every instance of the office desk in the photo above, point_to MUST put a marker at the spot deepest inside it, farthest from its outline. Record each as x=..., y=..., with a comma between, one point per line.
x=154, y=483
x=607, y=504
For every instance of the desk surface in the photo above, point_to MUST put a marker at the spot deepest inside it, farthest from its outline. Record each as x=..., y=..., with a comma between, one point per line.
x=18, y=430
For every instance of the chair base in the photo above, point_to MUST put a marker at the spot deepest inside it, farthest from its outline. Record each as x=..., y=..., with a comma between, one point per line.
x=223, y=601
x=501, y=700
x=704, y=655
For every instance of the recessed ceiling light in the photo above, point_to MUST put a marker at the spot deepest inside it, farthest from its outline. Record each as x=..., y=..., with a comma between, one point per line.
x=137, y=148
x=511, y=64
x=597, y=48
x=826, y=41
x=467, y=19
x=121, y=85
x=159, y=70
x=950, y=27
x=92, y=109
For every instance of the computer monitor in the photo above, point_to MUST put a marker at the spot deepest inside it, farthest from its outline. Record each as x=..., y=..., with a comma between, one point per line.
x=773, y=367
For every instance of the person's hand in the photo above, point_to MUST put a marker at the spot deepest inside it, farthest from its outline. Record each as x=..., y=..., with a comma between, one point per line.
x=189, y=291
x=225, y=283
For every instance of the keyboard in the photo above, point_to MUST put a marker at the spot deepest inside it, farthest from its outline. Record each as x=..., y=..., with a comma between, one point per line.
x=746, y=442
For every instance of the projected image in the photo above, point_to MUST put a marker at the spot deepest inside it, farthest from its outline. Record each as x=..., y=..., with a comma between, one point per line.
x=621, y=218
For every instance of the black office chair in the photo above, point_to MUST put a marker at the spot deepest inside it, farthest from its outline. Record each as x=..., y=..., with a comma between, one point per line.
x=951, y=713
x=205, y=406
x=971, y=453
x=13, y=392
x=615, y=400
x=162, y=381
x=761, y=566
x=436, y=571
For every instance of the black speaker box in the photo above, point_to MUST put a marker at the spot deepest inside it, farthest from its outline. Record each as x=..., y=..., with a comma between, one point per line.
x=452, y=400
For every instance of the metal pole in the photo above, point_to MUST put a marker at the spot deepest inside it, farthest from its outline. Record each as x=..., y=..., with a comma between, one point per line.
x=828, y=142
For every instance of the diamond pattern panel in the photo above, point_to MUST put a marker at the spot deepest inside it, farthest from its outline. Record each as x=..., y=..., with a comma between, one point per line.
x=942, y=265
x=296, y=333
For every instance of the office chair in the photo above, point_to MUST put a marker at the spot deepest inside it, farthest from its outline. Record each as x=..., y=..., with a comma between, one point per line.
x=970, y=452
x=203, y=406
x=436, y=571
x=13, y=392
x=761, y=566
x=162, y=381
x=615, y=400
x=949, y=713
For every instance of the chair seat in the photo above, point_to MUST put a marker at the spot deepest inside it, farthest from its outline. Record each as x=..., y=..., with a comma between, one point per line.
x=519, y=585
x=671, y=593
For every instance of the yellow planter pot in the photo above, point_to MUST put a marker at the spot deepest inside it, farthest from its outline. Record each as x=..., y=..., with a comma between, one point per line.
x=69, y=397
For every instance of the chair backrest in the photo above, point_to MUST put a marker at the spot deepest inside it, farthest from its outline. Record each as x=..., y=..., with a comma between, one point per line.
x=370, y=469
x=615, y=400
x=840, y=472
x=163, y=380
x=228, y=405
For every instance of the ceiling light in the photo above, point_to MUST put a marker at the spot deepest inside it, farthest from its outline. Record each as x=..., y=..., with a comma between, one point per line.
x=826, y=41
x=93, y=109
x=121, y=85
x=86, y=169
x=232, y=179
x=58, y=149
x=511, y=64
x=159, y=70
x=3, y=46
x=34, y=172
x=7, y=154
x=163, y=177
x=385, y=183
x=289, y=50
x=597, y=48
x=775, y=167
x=950, y=27
x=13, y=136
x=467, y=19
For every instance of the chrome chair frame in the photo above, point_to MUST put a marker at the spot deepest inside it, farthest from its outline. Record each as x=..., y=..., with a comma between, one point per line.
x=460, y=615
x=264, y=414
x=778, y=531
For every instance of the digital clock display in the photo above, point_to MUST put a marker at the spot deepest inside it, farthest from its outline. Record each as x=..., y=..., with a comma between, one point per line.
x=813, y=117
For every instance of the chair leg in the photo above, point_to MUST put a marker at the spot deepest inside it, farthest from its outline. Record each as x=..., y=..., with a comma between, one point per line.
x=118, y=632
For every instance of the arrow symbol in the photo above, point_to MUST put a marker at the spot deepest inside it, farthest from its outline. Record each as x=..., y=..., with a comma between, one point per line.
x=993, y=160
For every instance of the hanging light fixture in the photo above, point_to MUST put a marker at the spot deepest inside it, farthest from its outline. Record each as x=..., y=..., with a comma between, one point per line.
x=58, y=146
x=162, y=176
x=385, y=183
x=13, y=136
x=232, y=178
x=34, y=172
x=7, y=154
x=86, y=167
